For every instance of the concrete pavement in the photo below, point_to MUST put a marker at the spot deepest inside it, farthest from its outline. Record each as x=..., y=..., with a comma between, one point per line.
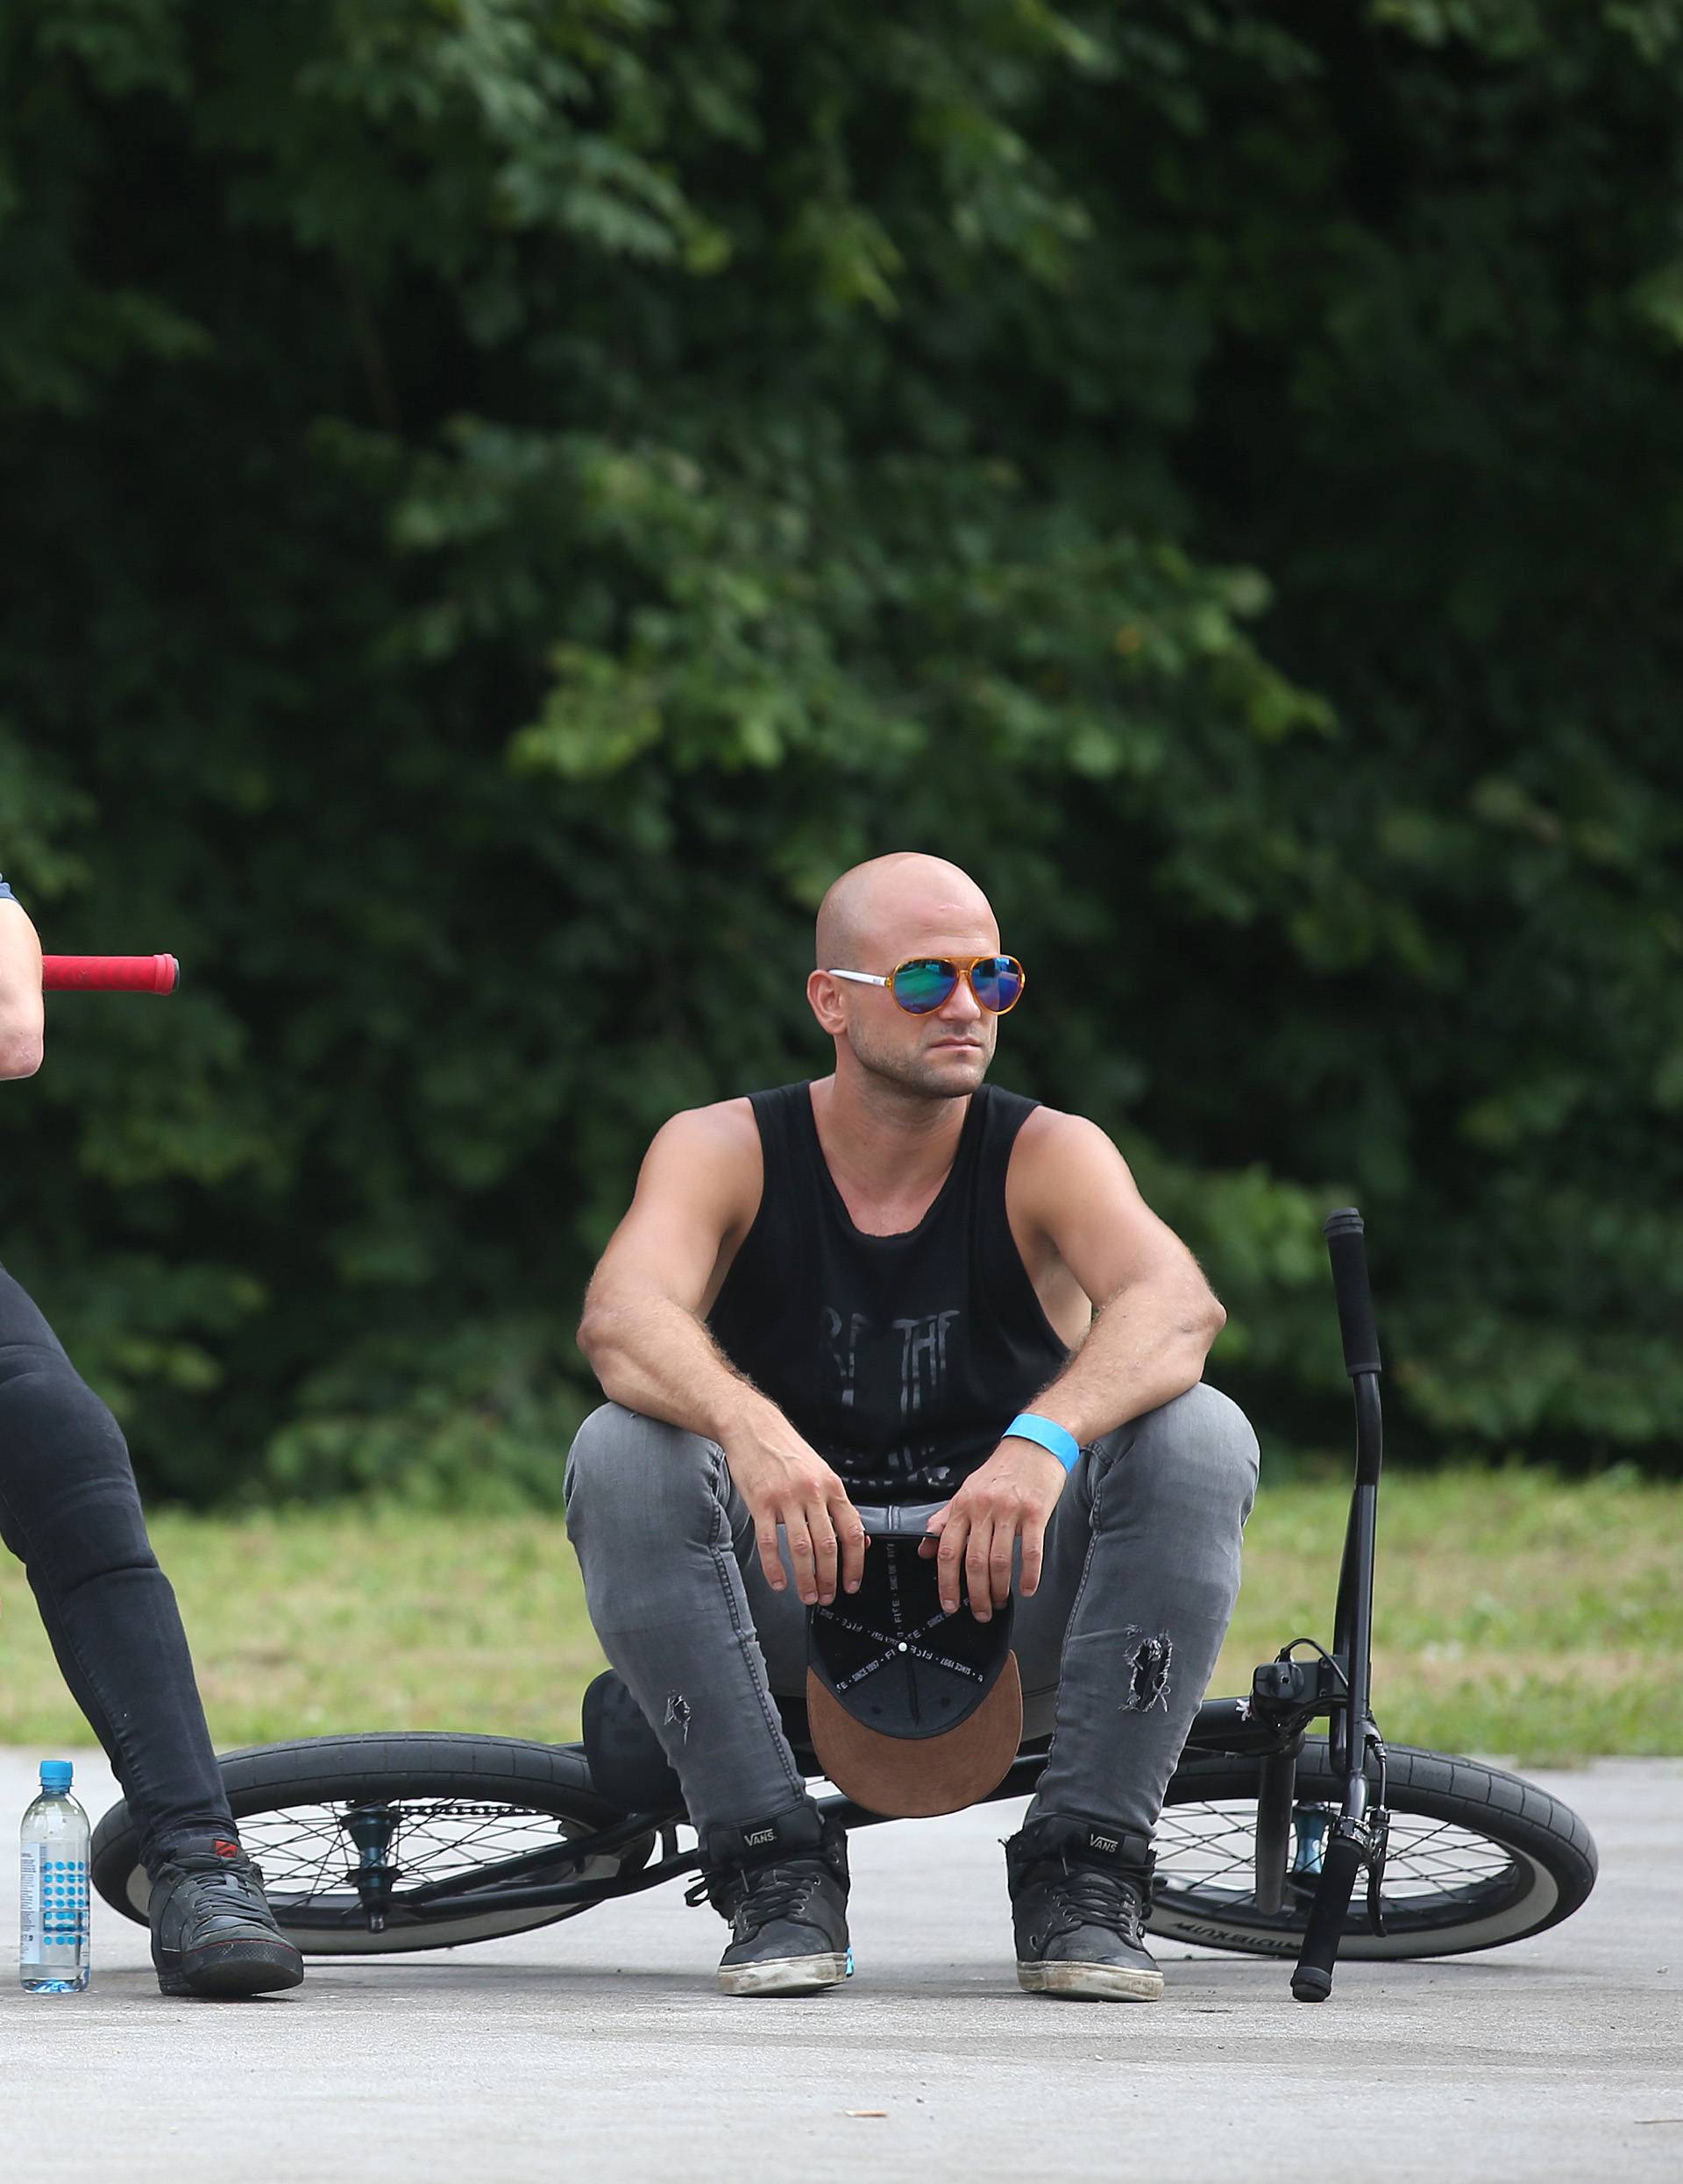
x=599, y=2048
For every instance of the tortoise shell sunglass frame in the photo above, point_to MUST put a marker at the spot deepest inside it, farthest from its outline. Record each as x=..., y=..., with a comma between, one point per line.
x=923, y=984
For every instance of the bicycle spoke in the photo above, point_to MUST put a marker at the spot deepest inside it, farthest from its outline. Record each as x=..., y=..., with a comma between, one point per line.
x=1209, y=1850
x=305, y=1852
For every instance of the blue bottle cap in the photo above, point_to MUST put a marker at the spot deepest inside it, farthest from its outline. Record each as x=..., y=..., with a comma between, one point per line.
x=56, y=1774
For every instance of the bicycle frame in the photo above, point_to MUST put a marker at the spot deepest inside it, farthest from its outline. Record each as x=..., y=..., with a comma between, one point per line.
x=1286, y=1696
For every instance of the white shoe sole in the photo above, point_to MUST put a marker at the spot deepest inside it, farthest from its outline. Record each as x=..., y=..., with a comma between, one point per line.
x=1090, y=1982
x=786, y=1975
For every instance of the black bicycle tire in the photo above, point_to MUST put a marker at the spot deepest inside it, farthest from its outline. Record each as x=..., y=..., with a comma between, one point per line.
x=552, y=1778
x=1553, y=1854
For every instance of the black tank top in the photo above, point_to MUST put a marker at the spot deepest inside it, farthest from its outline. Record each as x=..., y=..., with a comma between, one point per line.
x=900, y=1359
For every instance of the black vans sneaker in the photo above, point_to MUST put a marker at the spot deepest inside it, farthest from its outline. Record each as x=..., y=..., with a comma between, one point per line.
x=212, y=1931
x=1079, y=1896
x=782, y=1884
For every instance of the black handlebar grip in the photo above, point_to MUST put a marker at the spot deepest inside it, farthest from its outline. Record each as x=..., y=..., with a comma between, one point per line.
x=1343, y=1232
x=1312, y=1980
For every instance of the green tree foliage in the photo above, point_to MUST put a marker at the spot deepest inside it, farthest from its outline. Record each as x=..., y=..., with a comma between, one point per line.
x=504, y=498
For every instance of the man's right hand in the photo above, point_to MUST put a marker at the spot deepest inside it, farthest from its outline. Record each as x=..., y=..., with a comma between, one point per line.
x=644, y=1332
x=786, y=1482
x=20, y=993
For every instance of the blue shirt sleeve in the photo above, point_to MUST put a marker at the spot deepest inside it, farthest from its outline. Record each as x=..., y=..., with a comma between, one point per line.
x=6, y=894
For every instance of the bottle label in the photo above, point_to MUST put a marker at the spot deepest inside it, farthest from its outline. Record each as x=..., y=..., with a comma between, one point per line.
x=29, y=1909
x=53, y=1907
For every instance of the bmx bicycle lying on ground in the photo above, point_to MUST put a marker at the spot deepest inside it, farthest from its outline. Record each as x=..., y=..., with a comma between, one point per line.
x=380, y=1843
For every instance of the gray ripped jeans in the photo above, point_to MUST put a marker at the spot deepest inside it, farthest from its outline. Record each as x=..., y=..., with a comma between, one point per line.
x=1116, y=1649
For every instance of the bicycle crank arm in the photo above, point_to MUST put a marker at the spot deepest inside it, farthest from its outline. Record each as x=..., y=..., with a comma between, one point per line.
x=559, y=1893
x=577, y=1852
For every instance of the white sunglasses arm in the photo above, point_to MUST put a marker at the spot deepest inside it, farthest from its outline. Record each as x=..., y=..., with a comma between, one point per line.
x=861, y=977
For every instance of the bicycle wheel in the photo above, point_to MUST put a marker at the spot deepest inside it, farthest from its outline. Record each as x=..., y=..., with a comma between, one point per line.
x=447, y=1807
x=1476, y=1857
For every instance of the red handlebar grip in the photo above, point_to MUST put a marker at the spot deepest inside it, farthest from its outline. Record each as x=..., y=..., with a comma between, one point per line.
x=110, y=974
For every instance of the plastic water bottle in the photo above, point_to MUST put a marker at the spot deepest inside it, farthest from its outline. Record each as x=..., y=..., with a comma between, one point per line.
x=53, y=1911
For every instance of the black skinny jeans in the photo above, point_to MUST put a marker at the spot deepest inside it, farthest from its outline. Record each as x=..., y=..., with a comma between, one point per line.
x=70, y=1511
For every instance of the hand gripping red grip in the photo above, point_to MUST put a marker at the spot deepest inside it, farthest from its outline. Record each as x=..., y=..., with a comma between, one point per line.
x=110, y=974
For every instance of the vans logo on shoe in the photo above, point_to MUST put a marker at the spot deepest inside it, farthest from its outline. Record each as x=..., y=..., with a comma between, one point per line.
x=760, y=1835
x=1103, y=1842
x=223, y=1848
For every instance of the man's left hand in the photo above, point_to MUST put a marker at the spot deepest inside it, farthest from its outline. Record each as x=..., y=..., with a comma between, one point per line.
x=1010, y=1498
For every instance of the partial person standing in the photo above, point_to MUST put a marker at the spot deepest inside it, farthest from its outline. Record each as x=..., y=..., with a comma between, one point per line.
x=69, y=1509
x=898, y=1283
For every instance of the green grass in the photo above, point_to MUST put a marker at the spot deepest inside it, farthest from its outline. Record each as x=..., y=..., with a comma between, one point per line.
x=1517, y=1614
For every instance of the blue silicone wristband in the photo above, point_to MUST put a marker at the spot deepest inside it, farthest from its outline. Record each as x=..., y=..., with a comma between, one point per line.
x=1057, y=1441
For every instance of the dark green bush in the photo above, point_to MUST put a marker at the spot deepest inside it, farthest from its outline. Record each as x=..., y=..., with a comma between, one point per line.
x=504, y=498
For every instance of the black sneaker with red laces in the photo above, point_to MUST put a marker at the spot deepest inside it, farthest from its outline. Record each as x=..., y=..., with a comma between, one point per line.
x=212, y=1931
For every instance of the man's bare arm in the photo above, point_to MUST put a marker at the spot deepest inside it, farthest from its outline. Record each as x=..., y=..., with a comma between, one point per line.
x=647, y=1341
x=21, y=1014
x=1156, y=1318
x=1069, y=1193
x=643, y=1328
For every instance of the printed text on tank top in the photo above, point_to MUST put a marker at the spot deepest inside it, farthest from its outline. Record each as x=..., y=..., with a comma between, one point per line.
x=1062, y=1299
x=899, y=1352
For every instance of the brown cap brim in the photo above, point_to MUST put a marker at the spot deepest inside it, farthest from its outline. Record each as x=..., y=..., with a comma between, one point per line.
x=908, y=1778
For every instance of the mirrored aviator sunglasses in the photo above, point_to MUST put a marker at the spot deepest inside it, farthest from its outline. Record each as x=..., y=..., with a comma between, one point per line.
x=925, y=983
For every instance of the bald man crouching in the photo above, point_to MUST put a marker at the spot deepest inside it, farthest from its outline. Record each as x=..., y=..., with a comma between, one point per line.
x=900, y=1285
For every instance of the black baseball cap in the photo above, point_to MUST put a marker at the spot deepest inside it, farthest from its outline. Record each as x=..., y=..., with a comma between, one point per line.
x=913, y=1712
